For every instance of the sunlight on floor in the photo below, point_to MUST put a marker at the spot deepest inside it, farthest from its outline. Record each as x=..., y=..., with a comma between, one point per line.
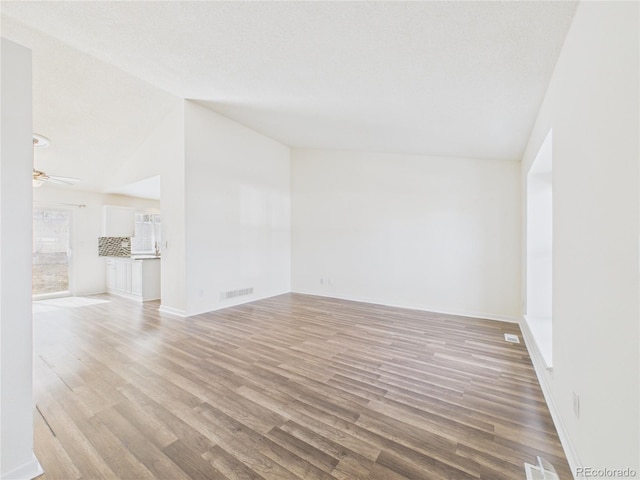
x=66, y=302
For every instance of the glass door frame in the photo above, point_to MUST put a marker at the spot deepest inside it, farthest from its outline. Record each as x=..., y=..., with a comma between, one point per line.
x=70, y=250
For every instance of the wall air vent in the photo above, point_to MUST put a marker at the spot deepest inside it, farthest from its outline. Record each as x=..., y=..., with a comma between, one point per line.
x=236, y=293
x=509, y=337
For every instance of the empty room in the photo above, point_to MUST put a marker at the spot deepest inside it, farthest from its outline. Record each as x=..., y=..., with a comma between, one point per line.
x=319, y=240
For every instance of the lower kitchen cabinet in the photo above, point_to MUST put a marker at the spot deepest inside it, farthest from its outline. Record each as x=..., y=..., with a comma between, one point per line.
x=138, y=279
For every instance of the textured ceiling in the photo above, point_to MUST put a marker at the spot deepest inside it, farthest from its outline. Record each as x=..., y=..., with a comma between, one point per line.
x=441, y=78
x=95, y=115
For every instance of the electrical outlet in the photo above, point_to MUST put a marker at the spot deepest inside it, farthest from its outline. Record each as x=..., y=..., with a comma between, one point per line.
x=322, y=281
x=576, y=404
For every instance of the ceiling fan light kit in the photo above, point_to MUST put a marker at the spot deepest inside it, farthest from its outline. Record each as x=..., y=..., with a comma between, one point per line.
x=40, y=141
x=40, y=177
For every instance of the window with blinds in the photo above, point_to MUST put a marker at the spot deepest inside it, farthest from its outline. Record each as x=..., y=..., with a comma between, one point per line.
x=147, y=233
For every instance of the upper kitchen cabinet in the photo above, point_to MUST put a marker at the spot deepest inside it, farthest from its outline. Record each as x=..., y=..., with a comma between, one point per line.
x=118, y=221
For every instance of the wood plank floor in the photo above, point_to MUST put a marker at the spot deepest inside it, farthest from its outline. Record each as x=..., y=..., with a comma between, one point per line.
x=292, y=387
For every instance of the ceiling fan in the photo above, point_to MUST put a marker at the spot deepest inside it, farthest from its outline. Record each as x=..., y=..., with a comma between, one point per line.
x=40, y=177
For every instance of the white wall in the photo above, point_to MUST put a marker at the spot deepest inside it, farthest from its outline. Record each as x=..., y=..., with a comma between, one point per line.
x=16, y=155
x=440, y=234
x=88, y=269
x=592, y=105
x=539, y=246
x=237, y=204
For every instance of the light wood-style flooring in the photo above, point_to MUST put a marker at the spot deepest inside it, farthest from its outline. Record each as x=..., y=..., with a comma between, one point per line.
x=292, y=387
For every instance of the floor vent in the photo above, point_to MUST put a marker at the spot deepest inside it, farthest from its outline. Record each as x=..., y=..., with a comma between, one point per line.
x=542, y=471
x=509, y=337
x=236, y=293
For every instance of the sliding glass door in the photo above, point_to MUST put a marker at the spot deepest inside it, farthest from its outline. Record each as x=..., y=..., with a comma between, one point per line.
x=51, y=251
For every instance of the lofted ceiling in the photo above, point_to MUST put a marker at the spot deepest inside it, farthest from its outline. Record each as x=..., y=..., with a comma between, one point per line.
x=95, y=115
x=437, y=78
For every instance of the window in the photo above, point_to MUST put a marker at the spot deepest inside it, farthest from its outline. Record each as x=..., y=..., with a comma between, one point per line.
x=51, y=251
x=147, y=233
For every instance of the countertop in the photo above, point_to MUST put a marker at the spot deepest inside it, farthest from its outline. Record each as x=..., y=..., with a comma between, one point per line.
x=137, y=257
x=145, y=257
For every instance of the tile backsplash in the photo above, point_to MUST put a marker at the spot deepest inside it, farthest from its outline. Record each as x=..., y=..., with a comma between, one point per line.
x=114, y=246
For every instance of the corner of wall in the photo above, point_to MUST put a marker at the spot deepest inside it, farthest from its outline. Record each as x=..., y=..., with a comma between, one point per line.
x=543, y=373
x=26, y=471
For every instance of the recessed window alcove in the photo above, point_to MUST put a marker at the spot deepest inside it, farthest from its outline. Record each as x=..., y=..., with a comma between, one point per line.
x=539, y=250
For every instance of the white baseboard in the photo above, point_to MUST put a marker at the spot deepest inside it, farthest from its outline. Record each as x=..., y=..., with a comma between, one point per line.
x=236, y=302
x=130, y=296
x=542, y=372
x=26, y=471
x=422, y=308
x=89, y=293
x=172, y=311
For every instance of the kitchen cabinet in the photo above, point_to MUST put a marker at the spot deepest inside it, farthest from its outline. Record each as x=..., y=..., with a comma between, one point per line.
x=135, y=278
x=123, y=276
x=118, y=221
x=111, y=275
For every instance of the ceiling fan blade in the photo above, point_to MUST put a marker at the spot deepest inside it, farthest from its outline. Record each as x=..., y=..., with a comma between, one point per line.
x=66, y=180
x=39, y=175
